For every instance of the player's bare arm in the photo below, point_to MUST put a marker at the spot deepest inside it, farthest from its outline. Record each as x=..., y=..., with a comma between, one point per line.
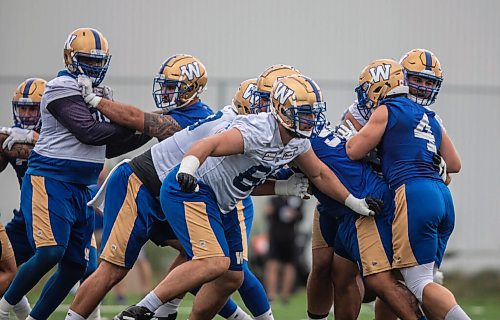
x=160, y=126
x=223, y=144
x=350, y=117
x=450, y=154
x=369, y=136
x=153, y=124
x=321, y=176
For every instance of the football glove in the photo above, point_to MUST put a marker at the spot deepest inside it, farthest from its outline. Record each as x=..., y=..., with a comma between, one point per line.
x=346, y=131
x=296, y=185
x=6, y=130
x=85, y=84
x=439, y=165
x=18, y=135
x=368, y=206
x=185, y=176
x=187, y=182
x=104, y=92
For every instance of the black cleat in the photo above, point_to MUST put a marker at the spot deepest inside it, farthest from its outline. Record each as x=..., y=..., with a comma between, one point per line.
x=172, y=316
x=135, y=313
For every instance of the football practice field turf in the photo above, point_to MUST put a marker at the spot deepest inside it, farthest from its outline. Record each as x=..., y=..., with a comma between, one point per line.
x=478, y=309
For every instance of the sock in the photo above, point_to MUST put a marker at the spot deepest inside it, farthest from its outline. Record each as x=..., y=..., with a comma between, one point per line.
x=32, y=271
x=268, y=315
x=57, y=288
x=22, y=309
x=239, y=314
x=168, y=308
x=252, y=293
x=5, y=308
x=72, y=315
x=150, y=301
x=456, y=313
x=96, y=314
x=228, y=309
x=312, y=316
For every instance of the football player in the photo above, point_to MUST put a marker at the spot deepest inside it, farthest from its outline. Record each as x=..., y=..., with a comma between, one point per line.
x=424, y=77
x=67, y=157
x=162, y=158
x=409, y=135
x=225, y=168
x=26, y=114
x=132, y=206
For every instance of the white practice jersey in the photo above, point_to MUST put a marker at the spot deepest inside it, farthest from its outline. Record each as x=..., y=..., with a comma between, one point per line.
x=233, y=178
x=353, y=109
x=56, y=141
x=169, y=152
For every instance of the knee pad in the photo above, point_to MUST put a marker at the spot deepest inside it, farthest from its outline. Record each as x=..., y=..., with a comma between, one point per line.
x=417, y=277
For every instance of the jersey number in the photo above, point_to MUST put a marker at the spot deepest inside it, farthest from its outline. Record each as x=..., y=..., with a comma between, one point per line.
x=254, y=176
x=424, y=131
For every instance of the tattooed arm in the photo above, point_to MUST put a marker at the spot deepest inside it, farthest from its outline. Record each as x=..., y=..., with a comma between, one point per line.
x=160, y=126
x=154, y=124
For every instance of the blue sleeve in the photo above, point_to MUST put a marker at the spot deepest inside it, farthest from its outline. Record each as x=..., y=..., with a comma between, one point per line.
x=74, y=115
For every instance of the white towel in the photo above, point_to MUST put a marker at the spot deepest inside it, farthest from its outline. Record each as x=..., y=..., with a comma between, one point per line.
x=98, y=200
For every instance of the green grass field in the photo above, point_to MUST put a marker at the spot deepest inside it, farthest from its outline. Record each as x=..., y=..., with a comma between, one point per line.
x=478, y=309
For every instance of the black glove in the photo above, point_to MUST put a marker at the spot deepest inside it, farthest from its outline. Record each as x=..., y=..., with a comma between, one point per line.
x=187, y=182
x=376, y=205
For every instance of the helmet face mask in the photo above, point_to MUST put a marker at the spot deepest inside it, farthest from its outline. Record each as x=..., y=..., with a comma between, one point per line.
x=307, y=120
x=424, y=75
x=365, y=105
x=180, y=80
x=260, y=102
x=26, y=103
x=297, y=103
x=91, y=65
x=423, y=88
x=168, y=94
x=86, y=52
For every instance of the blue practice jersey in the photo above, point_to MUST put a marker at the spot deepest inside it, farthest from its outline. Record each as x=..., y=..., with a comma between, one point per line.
x=188, y=115
x=357, y=176
x=411, y=138
x=19, y=165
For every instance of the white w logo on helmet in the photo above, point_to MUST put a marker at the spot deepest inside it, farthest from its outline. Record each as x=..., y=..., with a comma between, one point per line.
x=380, y=71
x=249, y=91
x=191, y=70
x=282, y=93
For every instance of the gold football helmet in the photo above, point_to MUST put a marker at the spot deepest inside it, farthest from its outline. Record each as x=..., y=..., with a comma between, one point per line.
x=244, y=96
x=26, y=103
x=380, y=79
x=423, y=75
x=297, y=103
x=265, y=84
x=86, y=52
x=180, y=80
